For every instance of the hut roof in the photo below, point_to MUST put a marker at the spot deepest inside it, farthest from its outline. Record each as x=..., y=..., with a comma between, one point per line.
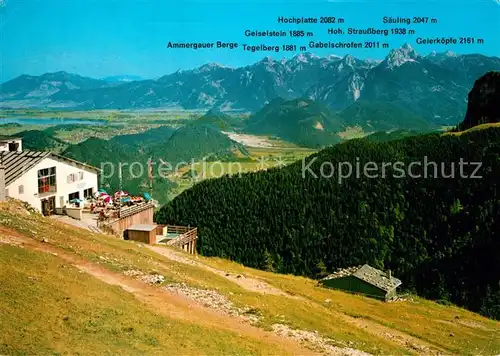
x=370, y=275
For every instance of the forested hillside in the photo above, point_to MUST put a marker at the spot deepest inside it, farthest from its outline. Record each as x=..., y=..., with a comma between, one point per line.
x=149, y=138
x=191, y=142
x=382, y=136
x=438, y=235
x=195, y=141
x=302, y=121
x=41, y=141
x=219, y=120
x=383, y=116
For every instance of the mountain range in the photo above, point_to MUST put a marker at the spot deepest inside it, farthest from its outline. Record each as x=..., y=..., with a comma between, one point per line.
x=434, y=87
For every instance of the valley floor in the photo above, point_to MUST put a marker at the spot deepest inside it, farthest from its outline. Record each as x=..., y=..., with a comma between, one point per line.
x=69, y=291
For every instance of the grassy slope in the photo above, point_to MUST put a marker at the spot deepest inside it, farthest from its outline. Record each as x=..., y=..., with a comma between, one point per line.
x=453, y=329
x=106, y=319
x=475, y=128
x=49, y=307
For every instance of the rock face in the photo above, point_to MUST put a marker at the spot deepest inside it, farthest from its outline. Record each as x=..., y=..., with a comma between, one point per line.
x=484, y=99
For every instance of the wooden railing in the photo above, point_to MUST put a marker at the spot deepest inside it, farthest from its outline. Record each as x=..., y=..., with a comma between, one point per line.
x=184, y=238
x=118, y=221
x=179, y=230
x=116, y=214
x=135, y=209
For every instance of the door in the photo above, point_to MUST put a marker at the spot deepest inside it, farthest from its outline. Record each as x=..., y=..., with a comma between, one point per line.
x=48, y=206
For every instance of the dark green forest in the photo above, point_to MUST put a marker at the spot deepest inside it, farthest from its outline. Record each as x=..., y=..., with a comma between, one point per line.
x=439, y=235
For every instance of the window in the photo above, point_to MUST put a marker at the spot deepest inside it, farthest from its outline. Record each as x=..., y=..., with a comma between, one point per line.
x=88, y=193
x=75, y=195
x=21, y=189
x=72, y=178
x=47, y=180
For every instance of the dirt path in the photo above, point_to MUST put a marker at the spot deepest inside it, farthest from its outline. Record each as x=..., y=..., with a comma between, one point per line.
x=250, y=284
x=161, y=301
x=256, y=285
x=399, y=337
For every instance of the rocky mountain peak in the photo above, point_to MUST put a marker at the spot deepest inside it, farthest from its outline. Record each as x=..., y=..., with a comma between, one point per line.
x=209, y=67
x=349, y=60
x=304, y=57
x=450, y=54
x=447, y=54
x=267, y=59
x=400, y=56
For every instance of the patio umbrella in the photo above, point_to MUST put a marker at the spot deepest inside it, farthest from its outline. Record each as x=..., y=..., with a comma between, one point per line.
x=121, y=193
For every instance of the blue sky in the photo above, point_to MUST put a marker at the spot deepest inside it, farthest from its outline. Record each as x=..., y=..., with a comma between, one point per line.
x=100, y=38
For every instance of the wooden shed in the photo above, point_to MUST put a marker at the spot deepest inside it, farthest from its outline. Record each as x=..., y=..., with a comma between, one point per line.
x=364, y=280
x=142, y=232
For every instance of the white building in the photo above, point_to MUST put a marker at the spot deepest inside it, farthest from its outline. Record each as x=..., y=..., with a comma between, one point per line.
x=8, y=143
x=46, y=181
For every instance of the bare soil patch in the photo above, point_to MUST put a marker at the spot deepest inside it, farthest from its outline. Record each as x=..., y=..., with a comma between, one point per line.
x=248, y=283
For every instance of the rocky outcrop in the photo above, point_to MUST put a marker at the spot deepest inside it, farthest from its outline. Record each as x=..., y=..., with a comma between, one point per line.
x=484, y=99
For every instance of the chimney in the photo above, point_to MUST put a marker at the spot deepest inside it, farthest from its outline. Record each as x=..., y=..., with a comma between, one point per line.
x=2, y=181
x=16, y=145
x=389, y=274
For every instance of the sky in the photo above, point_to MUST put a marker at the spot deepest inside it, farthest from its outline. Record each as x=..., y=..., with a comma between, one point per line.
x=99, y=38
